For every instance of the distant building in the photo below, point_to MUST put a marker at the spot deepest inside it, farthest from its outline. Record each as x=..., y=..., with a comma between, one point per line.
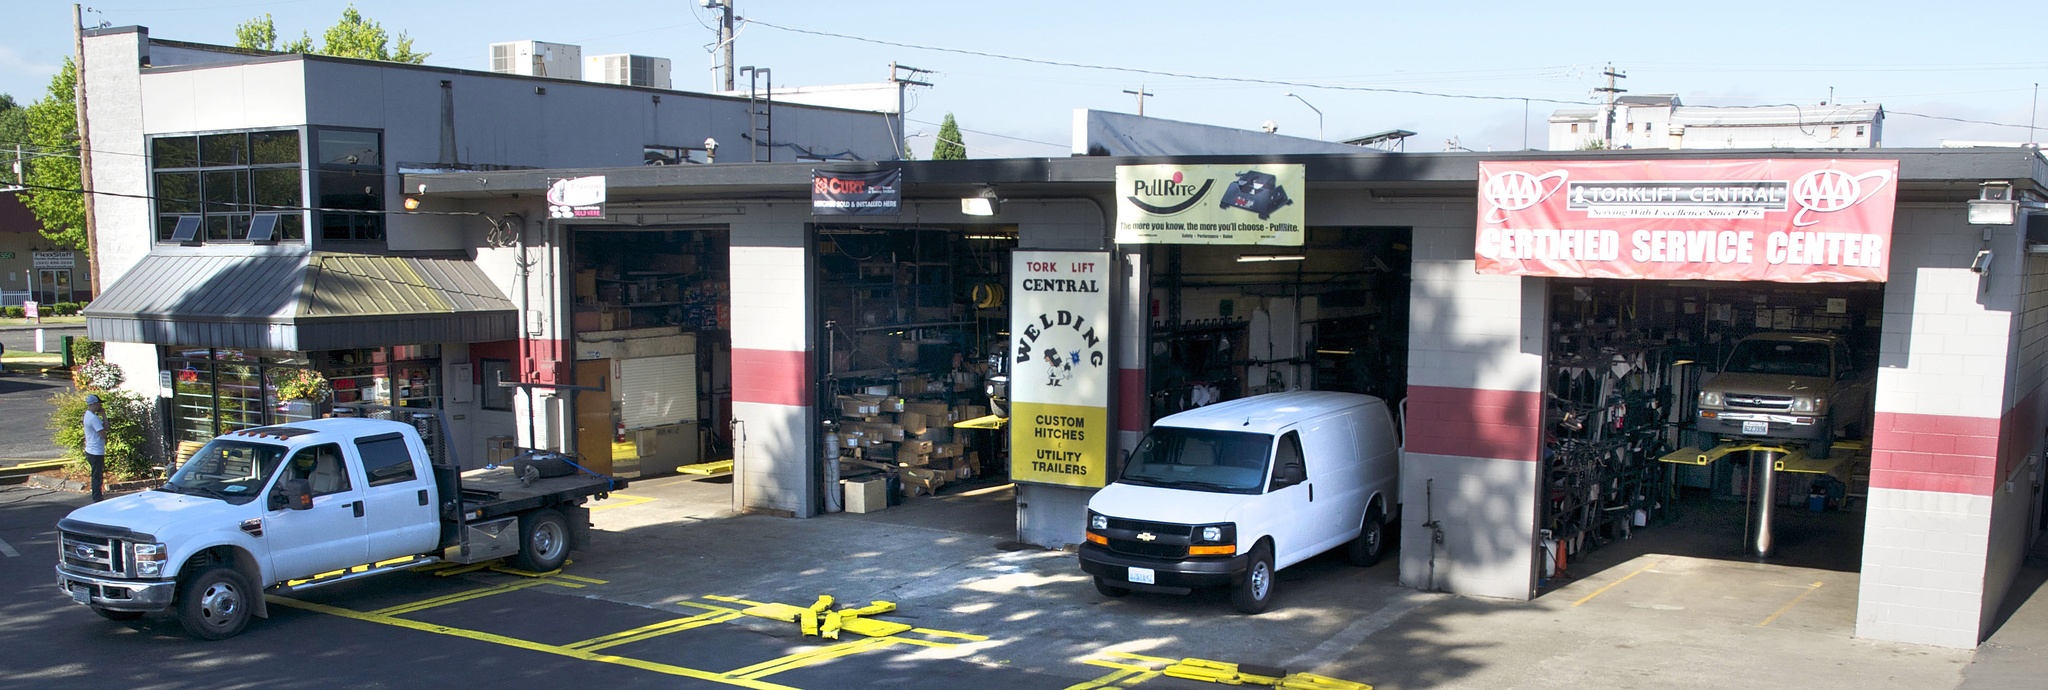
x=31, y=266
x=1662, y=122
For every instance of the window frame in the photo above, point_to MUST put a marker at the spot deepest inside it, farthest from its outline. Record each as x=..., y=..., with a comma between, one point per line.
x=491, y=389
x=227, y=220
x=371, y=452
x=365, y=226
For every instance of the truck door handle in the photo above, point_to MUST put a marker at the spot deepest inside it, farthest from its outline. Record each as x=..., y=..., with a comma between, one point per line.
x=1311, y=493
x=357, y=506
x=423, y=496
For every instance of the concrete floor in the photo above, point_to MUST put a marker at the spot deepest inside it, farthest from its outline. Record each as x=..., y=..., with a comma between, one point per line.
x=1676, y=606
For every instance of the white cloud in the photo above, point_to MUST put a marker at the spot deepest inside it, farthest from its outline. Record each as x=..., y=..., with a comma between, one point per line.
x=23, y=77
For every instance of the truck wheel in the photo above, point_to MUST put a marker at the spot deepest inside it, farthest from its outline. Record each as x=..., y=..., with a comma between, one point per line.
x=1255, y=593
x=113, y=615
x=543, y=540
x=1371, y=543
x=214, y=605
x=1109, y=590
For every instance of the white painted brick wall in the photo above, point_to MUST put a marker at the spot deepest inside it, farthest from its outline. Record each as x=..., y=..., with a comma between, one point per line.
x=770, y=287
x=1487, y=509
x=770, y=462
x=1923, y=567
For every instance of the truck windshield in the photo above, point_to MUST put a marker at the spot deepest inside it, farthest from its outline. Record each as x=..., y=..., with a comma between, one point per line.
x=228, y=470
x=1779, y=357
x=1201, y=459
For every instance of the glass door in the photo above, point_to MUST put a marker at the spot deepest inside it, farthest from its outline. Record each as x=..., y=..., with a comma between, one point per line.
x=53, y=285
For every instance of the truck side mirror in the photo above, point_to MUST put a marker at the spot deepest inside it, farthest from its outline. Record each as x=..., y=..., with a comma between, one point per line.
x=296, y=494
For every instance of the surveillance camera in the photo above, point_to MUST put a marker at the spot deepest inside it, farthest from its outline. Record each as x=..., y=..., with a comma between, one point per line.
x=1981, y=264
x=710, y=144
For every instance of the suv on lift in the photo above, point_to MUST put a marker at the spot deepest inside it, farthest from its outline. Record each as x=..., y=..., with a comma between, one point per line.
x=1790, y=386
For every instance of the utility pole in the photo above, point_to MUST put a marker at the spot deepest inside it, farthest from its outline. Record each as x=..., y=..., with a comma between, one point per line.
x=904, y=77
x=1607, y=111
x=92, y=253
x=725, y=13
x=1141, y=94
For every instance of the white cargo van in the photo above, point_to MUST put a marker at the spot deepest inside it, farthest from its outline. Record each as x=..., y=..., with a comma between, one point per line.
x=1229, y=493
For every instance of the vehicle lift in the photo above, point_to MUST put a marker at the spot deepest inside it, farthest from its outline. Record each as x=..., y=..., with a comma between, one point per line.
x=1774, y=457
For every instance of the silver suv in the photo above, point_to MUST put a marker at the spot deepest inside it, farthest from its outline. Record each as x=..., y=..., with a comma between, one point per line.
x=1786, y=386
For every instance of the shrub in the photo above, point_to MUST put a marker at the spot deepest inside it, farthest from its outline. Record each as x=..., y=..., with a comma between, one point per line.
x=97, y=374
x=64, y=309
x=14, y=312
x=85, y=350
x=130, y=452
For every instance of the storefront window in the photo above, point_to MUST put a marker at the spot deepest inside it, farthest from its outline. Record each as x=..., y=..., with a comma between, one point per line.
x=219, y=391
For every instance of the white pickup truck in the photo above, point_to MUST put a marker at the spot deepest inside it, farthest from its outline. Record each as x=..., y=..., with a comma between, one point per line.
x=306, y=504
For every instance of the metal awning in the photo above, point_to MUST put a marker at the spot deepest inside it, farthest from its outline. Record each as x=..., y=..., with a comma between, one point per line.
x=301, y=302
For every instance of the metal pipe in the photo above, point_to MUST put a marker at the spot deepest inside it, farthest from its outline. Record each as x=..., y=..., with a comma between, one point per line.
x=1763, y=521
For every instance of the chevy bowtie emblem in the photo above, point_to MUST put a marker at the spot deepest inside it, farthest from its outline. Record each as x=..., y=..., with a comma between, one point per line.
x=1146, y=536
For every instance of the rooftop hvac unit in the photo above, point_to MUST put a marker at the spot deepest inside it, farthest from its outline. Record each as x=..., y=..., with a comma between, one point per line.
x=537, y=59
x=630, y=70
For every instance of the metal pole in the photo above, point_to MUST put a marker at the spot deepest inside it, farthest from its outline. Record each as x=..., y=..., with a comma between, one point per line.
x=725, y=10
x=1766, y=500
x=85, y=186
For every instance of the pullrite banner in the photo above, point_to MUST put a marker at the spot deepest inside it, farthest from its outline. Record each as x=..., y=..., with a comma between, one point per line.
x=1059, y=368
x=878, y=193
x=1209, y=204
x=1789, y=221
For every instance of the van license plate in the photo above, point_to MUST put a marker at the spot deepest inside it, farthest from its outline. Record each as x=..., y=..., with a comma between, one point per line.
x=1142, y=576
x=1758, y=428
x=81, y=595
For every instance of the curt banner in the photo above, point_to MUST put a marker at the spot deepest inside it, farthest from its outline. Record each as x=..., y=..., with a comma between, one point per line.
x=1059, y=368
x=1788, y=221
x=878, y=193
x=1209, y=204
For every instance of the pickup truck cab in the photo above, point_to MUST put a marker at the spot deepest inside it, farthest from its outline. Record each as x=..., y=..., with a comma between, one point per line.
x=1786, y=386
x=1227, y=494
x=284, y=508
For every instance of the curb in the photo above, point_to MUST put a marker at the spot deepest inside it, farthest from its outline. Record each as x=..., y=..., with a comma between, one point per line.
x=44, y=481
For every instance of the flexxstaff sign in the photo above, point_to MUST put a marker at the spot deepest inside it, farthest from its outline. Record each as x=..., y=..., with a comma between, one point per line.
x=1794, y=221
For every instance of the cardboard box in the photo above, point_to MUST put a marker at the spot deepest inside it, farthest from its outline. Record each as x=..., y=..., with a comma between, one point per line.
x=932, y=411
x=892, y=404
x=859, y=405
x=865, y=495
x=586, y=283
x=921, y=481
x=913, y=424
x=916, y=445
x=587, y=321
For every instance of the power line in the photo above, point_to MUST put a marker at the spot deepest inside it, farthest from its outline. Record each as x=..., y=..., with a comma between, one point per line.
x=1135, y=70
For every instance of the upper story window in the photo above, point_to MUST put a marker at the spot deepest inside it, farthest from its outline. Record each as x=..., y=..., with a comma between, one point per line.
x=348, y=166
x=218, y=185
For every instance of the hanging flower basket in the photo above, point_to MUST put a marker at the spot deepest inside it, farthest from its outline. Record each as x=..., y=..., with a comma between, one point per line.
x=301, y=384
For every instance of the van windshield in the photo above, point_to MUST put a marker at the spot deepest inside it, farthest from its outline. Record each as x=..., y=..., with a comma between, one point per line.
x=1201, y=459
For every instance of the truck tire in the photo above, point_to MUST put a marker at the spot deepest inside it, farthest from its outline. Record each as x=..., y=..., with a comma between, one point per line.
x=214, y=605
x=113, y=615
x=1371, y=543
x=1109, y=590
x=1254, y=594
x=543, y=540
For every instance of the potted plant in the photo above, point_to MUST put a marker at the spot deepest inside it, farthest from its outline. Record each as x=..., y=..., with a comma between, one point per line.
x=300, y=391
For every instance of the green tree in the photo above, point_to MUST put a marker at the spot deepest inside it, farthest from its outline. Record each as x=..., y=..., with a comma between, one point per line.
x=53, y=178
x=949, y=147
x=354, y=36
x=13, y=125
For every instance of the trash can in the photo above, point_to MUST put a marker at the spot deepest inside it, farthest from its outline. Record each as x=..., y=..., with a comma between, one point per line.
x=67, y=352
x=1817, y=499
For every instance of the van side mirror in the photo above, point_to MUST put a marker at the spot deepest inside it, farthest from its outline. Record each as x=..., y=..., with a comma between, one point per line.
x=1288, y=475
x=296, y=494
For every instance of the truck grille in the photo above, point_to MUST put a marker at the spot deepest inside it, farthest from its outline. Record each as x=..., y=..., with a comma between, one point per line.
x=1759, y=402
x=94, y=555
x=1168, y=540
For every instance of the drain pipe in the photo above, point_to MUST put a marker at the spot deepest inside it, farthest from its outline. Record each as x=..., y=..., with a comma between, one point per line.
x=739, y=465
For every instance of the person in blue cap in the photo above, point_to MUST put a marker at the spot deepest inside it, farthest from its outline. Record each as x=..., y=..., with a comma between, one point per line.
x=95, y=443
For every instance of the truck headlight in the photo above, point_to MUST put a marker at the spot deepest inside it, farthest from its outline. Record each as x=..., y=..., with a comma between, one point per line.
x=1809, y=405
x=1097, y=520
x=1214, y=540
x=149, y=559
x=1710, y=399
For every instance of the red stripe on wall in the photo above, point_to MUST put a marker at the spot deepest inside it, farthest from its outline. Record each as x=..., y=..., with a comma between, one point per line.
x=1476, y=423
x=1930, y=452
x=774, y=377
x=1131, y=407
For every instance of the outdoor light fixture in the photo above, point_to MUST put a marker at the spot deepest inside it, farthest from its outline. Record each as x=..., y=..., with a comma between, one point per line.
x=983, y=203
x=1255, y=258
x=1994, y=204
x=710, y=150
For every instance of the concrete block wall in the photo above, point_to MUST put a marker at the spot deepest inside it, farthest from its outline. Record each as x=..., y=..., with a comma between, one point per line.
x=1475, y=382
x=1942, y=393
x=773, y=385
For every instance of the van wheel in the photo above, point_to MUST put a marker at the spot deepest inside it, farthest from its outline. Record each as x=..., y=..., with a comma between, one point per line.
x=543, y=541
x=1255, y=592
x=214, y=605
x=1371, y=543
x=113, y=615
x=1109, y=590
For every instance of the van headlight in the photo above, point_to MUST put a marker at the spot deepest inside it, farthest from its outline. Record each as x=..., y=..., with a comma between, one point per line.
x=1097, y=521
x=1213, y=540
x=1710, y=399
x=1809, y=405
x=149, y=559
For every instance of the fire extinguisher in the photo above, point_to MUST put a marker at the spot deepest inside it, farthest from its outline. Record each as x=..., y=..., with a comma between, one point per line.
x=619, y=432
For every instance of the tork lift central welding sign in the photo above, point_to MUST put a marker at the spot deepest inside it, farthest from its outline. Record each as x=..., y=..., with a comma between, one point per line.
x=1059, y=368
x=1788, y=221
x=1209, y=204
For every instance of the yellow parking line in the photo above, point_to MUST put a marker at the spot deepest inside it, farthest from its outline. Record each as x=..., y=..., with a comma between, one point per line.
x=1611, y=585
x=623, y=501
x=1788, y=605
x=800, y=660
x=733, y=600
x=647, y=632
x=480, y=636
x=707, y=607
x=946, y=633
x=1141, y=657
x=457, y=597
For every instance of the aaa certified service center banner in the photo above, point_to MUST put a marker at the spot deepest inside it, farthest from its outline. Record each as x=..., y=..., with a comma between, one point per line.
x=1791, y=221
x=1209, y=204
x=1059, y=368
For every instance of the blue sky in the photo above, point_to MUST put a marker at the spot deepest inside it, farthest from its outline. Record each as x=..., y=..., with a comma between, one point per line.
x=1915, y=58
